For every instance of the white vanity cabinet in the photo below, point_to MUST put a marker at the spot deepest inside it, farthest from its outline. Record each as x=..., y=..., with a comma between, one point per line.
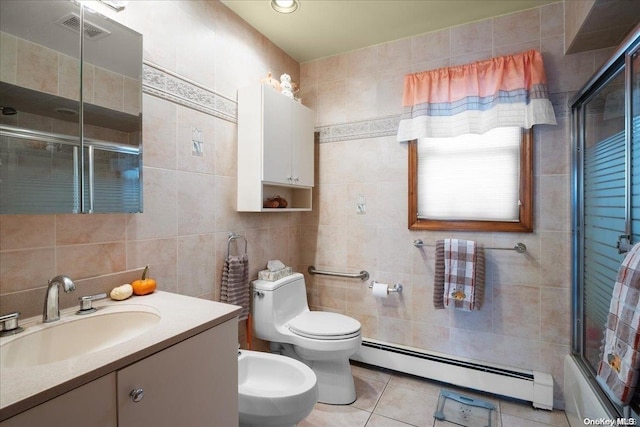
x=93, y=404
x=275, y=150
x=191, y=383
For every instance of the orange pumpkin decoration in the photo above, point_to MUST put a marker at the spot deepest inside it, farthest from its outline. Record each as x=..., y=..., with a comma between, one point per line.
x=144, y=286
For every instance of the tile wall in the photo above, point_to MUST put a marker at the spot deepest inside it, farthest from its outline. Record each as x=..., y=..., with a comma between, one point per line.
x=190, y=201
x=191, y=49
x=525, y=321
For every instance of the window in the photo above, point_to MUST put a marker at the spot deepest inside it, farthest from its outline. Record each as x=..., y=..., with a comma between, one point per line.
x=472, y=182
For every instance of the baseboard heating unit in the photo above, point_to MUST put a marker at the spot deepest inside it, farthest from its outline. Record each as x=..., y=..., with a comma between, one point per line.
x=531, y=386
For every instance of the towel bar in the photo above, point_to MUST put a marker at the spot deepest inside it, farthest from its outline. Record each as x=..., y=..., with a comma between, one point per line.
x=519, y=247
x=363, y=275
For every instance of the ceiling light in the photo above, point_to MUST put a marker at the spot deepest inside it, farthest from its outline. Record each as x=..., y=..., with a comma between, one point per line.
x=285, y=6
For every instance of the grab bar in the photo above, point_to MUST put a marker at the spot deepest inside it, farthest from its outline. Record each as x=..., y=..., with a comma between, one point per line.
x=519, y=247
x=363, y=275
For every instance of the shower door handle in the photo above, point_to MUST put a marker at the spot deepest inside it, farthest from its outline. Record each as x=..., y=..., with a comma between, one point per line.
x=624, y=243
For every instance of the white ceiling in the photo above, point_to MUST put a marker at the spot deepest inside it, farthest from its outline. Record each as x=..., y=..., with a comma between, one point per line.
x=321, y=28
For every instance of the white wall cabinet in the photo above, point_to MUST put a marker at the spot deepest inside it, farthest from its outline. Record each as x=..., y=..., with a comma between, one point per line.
x=275, y=150
x=192, y=383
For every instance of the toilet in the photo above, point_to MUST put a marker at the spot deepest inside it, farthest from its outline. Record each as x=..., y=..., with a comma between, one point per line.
x=274, y=390
x=324, y=341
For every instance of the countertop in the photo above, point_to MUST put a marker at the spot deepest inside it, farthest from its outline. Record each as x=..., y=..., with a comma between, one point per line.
x=181, y=317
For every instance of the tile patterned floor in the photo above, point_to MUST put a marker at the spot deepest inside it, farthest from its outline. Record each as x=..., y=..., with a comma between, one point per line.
x=390, y=399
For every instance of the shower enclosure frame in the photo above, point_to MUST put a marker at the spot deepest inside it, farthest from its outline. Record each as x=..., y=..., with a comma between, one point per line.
x=621, y=60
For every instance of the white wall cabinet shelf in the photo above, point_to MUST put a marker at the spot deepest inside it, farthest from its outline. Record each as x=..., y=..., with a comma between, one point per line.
x=275, y=150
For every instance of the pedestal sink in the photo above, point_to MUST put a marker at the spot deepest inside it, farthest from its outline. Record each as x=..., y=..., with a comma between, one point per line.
x=75, y=335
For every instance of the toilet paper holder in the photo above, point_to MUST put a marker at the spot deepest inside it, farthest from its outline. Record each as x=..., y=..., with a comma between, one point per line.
x=395, y=288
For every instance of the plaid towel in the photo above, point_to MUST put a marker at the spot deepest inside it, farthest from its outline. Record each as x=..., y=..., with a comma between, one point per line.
x=619, y=364
x=459, y=275
x=235, y=287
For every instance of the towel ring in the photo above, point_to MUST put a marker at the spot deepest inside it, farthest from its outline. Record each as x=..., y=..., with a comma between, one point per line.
x=232, y=237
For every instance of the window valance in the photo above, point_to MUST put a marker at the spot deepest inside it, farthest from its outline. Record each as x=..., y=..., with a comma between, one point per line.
x=500, y=92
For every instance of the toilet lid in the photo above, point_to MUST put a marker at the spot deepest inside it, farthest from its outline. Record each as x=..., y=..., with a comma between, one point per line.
x=324, y=325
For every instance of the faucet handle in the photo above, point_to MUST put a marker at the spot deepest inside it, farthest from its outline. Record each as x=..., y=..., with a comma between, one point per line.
x=9, y=324
x=87, y=300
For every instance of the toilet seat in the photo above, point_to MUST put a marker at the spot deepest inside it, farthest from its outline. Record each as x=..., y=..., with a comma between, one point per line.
x=322, y=325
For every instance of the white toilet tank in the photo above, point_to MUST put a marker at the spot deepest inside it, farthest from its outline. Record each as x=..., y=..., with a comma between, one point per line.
x=275, y=303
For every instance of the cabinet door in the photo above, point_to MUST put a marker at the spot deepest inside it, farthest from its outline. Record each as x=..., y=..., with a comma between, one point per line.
x=303, y=126
x=193, y=383
x=276, y=149
x=45, y=165
x=93, y=404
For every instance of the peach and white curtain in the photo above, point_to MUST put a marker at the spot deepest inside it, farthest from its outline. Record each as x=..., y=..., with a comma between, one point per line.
x=506, y=91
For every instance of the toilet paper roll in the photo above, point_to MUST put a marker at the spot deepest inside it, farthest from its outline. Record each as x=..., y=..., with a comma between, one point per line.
x=380, y=290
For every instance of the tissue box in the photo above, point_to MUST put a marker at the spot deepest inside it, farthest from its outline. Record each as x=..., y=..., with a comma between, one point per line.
x=274, y=275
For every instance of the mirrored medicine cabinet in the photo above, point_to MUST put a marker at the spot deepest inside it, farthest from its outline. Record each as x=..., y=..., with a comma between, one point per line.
x=70, y=110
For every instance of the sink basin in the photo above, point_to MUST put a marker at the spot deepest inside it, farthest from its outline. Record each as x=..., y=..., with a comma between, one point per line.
x=75, y=335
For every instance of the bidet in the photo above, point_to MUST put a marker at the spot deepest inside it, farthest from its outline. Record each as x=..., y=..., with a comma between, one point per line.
x=274, y=390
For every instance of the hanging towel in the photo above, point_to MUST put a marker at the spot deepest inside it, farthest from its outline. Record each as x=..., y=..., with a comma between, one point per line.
x=459, y=275
x=618, y=367
x=235, y=283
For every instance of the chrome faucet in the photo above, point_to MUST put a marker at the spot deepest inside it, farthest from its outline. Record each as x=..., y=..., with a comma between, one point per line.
x=51, y=311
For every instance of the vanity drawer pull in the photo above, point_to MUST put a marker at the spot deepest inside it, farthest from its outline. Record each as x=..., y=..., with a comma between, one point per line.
x=137, y=394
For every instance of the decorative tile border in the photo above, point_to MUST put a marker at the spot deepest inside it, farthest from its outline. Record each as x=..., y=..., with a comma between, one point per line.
x=165, y=84
x=170, y=86
x=384, y=126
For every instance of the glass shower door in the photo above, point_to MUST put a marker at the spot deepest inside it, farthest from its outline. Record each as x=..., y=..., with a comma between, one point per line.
x=604, y=207
x=606, y=204
x=635, y=145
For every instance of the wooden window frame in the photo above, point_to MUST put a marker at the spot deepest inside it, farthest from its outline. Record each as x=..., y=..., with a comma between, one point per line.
x=525, y=223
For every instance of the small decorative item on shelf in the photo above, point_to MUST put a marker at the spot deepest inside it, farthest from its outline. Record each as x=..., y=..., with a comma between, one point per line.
x=296, y=92
x=282, y=202
x=270, y=203
x=271, y=82
x=275, y=202
x=286, y=87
